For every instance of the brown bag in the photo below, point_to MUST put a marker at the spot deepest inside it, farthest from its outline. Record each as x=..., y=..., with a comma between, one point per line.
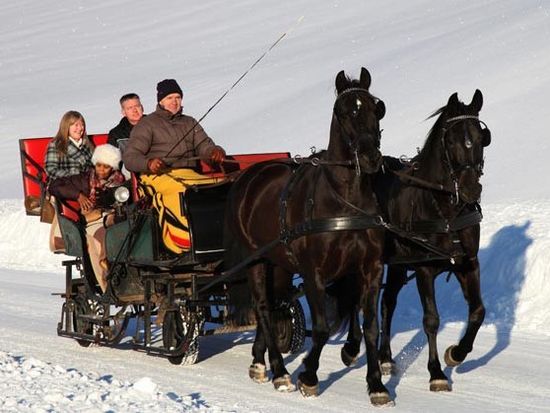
x=47, y=211
x=32, y=205
x=93, y=215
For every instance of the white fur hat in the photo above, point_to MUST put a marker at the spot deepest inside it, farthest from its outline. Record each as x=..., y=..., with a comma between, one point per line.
x=107, y=154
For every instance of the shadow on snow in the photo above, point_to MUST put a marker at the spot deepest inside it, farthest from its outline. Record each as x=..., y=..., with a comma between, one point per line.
x=503, y=272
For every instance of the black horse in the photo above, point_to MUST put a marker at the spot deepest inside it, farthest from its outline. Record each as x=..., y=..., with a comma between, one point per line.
x=434, y=215
x=325, y=221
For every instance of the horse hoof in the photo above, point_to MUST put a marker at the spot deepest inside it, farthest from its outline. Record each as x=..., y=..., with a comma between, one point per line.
x=381, y=399
x=387, y=368
x=347, y=359
x=440, y=385
x=284, y=384
x=308, y=391
x=449, y=360
x=258, y=373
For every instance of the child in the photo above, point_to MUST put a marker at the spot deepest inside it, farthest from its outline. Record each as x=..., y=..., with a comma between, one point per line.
x=86, y=188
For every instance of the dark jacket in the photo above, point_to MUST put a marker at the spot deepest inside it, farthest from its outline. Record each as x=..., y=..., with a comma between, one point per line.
x=120, y=131
x=156, y=134
x=70, y=187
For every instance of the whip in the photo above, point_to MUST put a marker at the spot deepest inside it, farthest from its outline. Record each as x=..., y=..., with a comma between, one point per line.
x=236, y=83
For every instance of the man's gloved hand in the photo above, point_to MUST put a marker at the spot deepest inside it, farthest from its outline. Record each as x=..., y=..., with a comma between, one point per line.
x=217, y=155
x=155, y=165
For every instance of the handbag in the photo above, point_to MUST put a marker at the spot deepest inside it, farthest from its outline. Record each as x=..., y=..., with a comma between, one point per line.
x=47, y=210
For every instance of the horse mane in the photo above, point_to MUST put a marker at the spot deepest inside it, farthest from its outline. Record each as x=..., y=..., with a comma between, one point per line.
x=434, y=134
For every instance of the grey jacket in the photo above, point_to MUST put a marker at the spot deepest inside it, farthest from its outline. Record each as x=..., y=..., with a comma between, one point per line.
x=156, y=134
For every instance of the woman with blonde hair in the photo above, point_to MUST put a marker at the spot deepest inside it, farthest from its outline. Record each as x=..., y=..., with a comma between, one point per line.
x=70, y=152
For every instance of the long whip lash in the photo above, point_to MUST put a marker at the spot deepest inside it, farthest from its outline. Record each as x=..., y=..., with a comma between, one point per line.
x=237, y=82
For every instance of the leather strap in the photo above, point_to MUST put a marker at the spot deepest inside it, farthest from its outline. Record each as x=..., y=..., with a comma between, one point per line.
x=443, y=226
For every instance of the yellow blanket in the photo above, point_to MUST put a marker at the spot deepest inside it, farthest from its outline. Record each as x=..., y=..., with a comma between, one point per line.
x=165, y=190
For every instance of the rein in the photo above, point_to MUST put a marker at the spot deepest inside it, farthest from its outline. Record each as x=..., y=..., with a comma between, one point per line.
x=422, y=182
x=440, y=187
x=453, y=171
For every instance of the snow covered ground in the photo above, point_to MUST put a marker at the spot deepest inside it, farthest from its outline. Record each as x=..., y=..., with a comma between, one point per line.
x=61, y=55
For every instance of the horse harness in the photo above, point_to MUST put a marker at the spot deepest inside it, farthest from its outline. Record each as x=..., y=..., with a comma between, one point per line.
x=466, y=216
x=312, y=225
x=478, y=167
x=343, y=223
x=412, y=230
x=453, y=171
x=353, y=143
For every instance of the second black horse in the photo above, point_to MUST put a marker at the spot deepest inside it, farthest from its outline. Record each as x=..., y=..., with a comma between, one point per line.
x=431, y=206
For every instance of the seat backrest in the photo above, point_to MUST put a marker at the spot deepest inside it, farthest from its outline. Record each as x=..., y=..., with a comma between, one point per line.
x=32, y=152
x=241, y=161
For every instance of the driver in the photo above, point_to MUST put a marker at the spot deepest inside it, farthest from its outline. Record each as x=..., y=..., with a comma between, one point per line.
x=165, y=147
x=86, y=188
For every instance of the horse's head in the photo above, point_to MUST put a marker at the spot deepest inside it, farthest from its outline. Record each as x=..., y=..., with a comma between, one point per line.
x=463, y=137
x=355, y=129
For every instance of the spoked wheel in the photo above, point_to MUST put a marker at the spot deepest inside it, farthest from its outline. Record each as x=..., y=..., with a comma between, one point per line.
x=80, y=325
x=108, y=327
x=92, y=318
x=290, y=327
x=181, y=330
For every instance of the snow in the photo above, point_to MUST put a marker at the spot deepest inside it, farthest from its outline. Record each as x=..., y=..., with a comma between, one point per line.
x=33, y=385
x=61, y=55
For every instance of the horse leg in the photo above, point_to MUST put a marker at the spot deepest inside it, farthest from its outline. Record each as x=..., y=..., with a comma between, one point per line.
x=425, y=281
x=395, y=280
x=348, y=302
x=378, y=393
x=308, y=382
x=351, y=348
x=264, y=335
x=257, y=370
x=470, y=283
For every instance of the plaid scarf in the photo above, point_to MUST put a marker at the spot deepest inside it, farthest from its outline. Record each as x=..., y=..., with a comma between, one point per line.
x=115, y=179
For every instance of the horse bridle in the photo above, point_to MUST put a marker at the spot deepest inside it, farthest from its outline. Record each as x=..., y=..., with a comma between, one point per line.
x=353, y=143
x=454, y=171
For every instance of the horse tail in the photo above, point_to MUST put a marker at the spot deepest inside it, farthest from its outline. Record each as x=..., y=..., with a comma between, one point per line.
x=341, y=301
x=240, y=306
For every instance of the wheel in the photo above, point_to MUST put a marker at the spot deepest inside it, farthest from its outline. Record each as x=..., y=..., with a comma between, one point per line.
x=181, y=328
x=104, y=329
x=81, y=326
x=290, y=327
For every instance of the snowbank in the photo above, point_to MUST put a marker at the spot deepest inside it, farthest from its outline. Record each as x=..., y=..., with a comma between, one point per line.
x=515, y=245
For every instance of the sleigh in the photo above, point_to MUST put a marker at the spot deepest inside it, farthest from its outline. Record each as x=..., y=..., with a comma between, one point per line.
x=157, y=301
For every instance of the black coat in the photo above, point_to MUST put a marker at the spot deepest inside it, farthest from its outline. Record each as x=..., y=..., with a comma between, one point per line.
x=120, y=131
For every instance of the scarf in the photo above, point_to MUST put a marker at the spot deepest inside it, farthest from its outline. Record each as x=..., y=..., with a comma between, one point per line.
x=96, y=184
